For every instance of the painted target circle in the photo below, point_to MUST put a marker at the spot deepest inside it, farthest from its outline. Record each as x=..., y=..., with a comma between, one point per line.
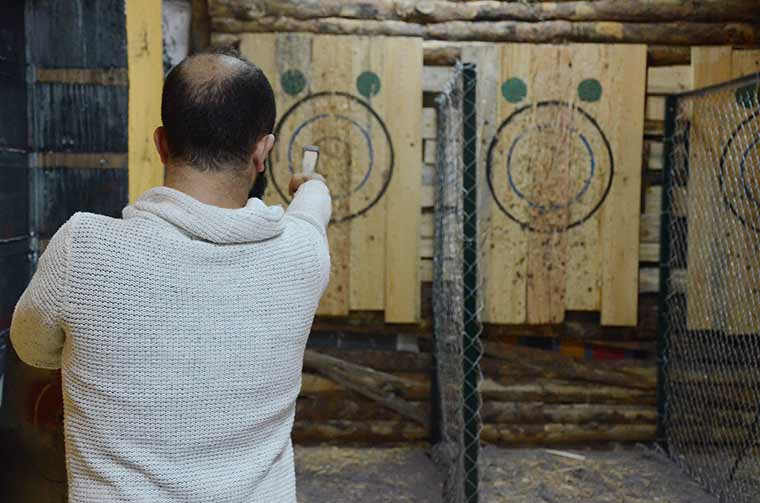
x=356, y=152
x=549, y=166
x=739, y=174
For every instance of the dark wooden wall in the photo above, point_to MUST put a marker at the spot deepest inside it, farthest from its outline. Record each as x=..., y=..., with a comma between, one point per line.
x=63, y=149
x=14, y=183
x=78, y=115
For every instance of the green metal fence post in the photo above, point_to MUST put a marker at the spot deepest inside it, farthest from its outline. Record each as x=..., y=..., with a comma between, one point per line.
x=671, y=104
x=470, y=263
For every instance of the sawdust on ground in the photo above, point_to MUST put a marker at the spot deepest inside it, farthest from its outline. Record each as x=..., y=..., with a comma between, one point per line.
x=406, y=474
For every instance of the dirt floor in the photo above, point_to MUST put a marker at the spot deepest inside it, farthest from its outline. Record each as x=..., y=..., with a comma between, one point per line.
x=632, y=475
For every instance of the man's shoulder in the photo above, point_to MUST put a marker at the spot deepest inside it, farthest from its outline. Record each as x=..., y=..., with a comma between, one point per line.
x=85, y=222
x=90, y=229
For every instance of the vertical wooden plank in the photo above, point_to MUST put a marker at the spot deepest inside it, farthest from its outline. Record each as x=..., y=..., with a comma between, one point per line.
x=548, y=159
x=496, y=292
x=507, y=252
x=620, y=214
x=403, y=70
x=710, y=65
x=583, y=273
x=332, y=70
x=144, y=59
x=259, y=49
x=368, y=229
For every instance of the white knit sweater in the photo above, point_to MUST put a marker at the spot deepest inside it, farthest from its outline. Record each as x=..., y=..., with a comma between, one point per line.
x=180, y=330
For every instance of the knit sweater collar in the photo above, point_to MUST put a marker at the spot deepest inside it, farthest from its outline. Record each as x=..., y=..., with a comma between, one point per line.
x=254, y=222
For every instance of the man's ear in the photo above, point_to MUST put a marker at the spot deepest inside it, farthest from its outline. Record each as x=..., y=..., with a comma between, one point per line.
x=261, y=151
x=162, y=145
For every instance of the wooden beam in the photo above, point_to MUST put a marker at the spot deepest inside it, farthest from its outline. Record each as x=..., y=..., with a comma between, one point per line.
x=554, y=365
x=95, y=76
x=78, y=160
x=438, y=11
x=200, y=26
x=434, y=78
x=362, y=432
x=381, y=387
x=429, y=118
x=668, y=55
x=554, y=391
x=539, y=412
x=668, y=79
x=670, y=33
x=146, y=75
x=566, y=434
x=649, y=280
x=315, y=385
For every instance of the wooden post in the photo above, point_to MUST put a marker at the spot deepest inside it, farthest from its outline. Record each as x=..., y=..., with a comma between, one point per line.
x=145, y=61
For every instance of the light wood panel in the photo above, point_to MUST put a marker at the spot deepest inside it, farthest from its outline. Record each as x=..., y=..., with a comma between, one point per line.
x=722, y=285
x=625, y=76
x=403, y=76
x=146, y=77
x=359, y=99
x=584, y=264
x=555, y=242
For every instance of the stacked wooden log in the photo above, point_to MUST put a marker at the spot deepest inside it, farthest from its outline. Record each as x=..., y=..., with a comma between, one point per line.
x=665, y=23
x=530, y=397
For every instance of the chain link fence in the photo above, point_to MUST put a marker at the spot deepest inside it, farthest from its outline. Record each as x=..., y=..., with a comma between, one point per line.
x=709, y=395
x=456, y=283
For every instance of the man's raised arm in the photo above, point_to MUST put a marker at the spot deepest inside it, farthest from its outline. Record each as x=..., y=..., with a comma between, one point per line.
x=311, y=200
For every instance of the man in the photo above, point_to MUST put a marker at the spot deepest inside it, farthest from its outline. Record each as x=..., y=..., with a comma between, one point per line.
x=180, y=329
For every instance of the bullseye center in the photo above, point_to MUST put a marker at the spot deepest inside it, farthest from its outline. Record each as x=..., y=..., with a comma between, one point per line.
x=550, y=167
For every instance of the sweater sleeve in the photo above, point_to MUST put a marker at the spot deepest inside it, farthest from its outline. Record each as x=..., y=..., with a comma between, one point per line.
x=312, y=203
x=37, y=328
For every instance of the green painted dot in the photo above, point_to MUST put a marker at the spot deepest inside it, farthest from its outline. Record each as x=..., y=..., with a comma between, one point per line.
x=748, y=96
x=293, y=82
x=590, y=90
x=514, y=90
x=368, y=84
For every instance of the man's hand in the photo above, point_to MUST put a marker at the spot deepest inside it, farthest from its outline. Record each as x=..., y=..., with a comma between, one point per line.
x=301, y=178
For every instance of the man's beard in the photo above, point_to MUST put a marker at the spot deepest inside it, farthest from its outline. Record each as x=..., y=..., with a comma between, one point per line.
x=259, y=186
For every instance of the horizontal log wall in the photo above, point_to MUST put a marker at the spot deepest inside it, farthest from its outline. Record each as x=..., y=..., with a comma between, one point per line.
x=531, y=396
x=546, y=399
x=630, y=21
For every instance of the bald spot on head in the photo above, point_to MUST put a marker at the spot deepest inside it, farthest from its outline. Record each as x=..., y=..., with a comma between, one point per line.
x=214, y=109
x=204, y=70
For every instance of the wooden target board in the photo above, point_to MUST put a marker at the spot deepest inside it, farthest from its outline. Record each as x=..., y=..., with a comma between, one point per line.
x=561, y=131
x=359, y=100
x=723, y=202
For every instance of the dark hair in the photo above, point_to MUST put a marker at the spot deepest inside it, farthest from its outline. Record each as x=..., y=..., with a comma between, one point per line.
x=214, y=114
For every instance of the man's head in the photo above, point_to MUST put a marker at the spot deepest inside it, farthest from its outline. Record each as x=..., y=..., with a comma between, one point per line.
x=218, y=113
